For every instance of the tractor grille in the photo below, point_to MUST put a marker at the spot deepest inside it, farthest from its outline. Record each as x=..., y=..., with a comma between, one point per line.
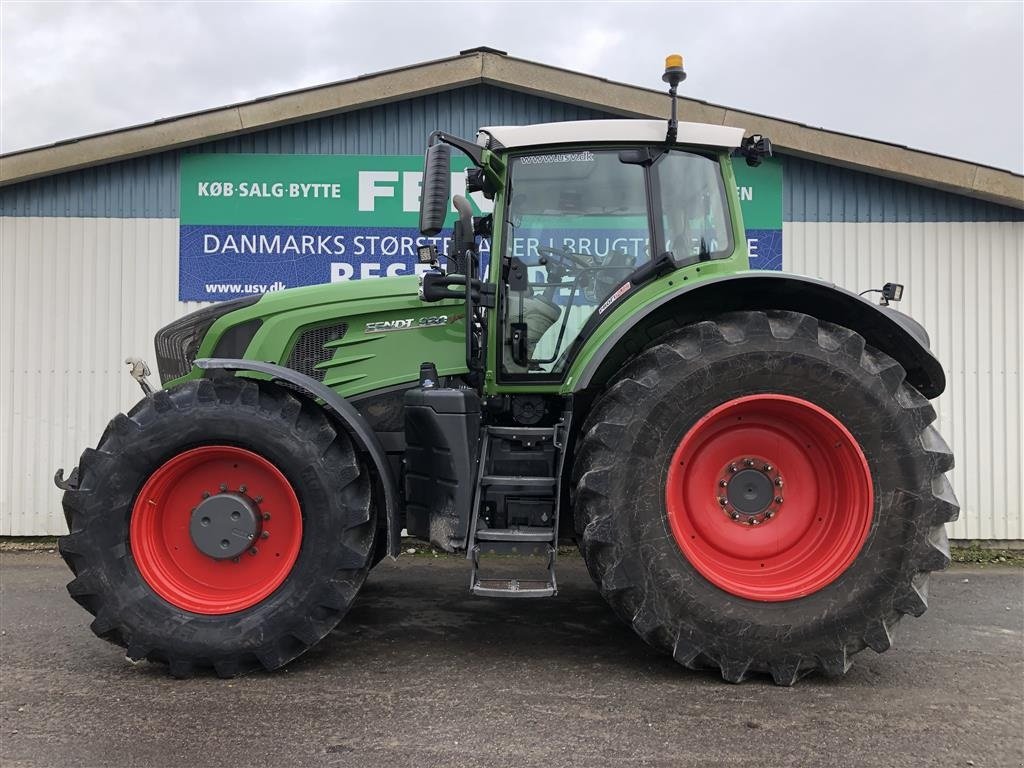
x=309, y=349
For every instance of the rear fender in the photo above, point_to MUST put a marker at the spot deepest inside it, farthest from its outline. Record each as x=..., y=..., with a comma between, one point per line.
x=346, y=415
x=897, y=335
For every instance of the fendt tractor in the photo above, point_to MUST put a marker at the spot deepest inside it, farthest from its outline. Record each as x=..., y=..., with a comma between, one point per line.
x=745, y=458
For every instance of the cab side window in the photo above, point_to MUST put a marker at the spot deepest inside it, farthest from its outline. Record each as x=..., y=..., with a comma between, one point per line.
x=694, y=208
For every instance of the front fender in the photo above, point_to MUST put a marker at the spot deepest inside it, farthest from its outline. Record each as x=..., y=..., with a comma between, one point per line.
x=344, y=412
x=885, y=329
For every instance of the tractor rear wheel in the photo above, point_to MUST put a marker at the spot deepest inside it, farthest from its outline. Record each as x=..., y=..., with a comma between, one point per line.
x=222, y=524
x=762, y=492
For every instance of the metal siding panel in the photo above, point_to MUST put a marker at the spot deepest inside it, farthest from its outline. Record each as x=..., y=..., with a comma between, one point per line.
x=964, y=283
x=10, y=243
x=147, y=187
x=115, y=279
x=78, y=296
x=814, y=191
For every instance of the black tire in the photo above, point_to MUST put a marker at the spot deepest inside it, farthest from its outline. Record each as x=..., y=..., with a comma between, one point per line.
x=338, y=527
x=620, y=473
x=380, y=549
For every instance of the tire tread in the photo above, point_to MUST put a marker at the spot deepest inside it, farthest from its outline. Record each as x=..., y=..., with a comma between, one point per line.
x=613, y=417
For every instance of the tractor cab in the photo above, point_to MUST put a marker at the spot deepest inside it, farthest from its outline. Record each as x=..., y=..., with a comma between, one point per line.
x=585, y=214
x=585, y=226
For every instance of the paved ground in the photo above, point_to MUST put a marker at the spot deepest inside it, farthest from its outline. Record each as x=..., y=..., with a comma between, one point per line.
x=421, y=674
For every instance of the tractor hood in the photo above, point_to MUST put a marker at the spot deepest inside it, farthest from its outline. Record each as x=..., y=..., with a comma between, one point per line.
x=354, y=336
x=333, y=293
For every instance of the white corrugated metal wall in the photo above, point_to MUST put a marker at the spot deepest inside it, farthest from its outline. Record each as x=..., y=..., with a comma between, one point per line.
x=77, y=295
x=965, y=284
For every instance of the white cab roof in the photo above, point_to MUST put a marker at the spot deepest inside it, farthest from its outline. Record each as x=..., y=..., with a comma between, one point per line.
x=626, y=131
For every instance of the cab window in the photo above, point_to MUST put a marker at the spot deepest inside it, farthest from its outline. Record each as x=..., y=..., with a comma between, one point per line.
x=695, y=211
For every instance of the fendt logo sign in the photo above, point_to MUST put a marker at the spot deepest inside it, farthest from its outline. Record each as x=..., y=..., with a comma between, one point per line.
x=257, y=223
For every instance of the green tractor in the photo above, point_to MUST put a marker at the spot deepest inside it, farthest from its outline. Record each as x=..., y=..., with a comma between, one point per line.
x=745, y=459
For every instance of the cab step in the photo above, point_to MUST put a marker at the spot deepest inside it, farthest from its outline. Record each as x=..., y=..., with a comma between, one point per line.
x=506, y=500
x=513, y=588
x=522, y=432
x=512, y=481
x=516, y=533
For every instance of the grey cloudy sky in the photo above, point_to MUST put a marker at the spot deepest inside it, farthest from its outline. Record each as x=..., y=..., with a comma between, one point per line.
x=942, y=76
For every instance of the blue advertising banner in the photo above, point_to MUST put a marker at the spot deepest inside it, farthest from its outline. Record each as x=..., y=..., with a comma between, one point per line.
x=256, y=223
x=250, y=259
x=765, y=247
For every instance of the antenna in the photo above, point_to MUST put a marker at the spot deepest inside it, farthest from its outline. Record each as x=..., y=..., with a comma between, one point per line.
x=674, y=75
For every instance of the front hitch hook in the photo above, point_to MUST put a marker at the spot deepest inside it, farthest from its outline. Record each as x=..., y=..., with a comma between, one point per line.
x=69, y=484
x=138, y=370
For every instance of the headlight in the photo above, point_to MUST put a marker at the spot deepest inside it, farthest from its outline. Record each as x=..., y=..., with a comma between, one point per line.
x=177, y=344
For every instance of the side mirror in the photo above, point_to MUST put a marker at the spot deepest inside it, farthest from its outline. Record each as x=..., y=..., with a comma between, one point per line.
x=437, y=188
x=755, y=148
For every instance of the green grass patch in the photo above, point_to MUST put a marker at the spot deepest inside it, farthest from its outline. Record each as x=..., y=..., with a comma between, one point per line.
x=27, y=543
x=975, y=554
x=971, y=554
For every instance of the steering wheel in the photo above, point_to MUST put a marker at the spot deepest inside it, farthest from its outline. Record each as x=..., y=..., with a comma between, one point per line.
x=563, y=257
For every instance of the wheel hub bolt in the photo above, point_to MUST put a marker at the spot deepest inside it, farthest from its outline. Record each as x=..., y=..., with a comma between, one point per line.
x=266, y=515
x=223, y=526
x=265, y=535
x=206, y=494
x=223, y=487
x=253, y=551
x=258, y=499
x=242, y=489
x=748, y=486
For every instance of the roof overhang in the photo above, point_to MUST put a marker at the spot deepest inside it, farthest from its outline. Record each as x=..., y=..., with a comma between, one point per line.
x=609, y=131
x=484, y=66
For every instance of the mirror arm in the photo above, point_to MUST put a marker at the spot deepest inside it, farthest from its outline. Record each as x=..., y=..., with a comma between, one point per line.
x=471, y=149
x=465, y=223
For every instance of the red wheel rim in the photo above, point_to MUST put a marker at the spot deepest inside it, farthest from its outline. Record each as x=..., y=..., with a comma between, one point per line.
x=171, y=562
x=821, y=501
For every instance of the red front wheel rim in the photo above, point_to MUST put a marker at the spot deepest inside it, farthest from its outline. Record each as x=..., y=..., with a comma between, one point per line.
x=769, y=497
x=184, y=568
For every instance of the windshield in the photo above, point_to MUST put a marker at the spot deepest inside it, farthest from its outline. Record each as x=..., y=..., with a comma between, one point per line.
x=577, y=227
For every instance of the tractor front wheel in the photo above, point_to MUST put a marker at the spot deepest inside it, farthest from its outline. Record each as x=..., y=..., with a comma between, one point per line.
x=221, y=524
x=763, y=493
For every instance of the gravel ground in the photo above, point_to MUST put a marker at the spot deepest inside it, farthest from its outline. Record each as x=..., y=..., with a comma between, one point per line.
x=422, y=674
